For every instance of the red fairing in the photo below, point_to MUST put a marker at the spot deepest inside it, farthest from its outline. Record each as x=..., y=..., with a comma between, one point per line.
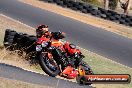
x=70, y=72
x=78, y=51
x=73, y=74
x=71, y=48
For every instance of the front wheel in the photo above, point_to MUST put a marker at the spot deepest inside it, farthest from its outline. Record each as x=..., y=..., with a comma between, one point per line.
x=48, y=65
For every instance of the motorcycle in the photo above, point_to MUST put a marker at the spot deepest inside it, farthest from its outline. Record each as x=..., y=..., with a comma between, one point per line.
x=53, y=54
x=52, y=58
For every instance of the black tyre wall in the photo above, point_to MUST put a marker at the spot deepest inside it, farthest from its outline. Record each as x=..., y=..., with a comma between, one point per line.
x=9, y=37
x=95, y=11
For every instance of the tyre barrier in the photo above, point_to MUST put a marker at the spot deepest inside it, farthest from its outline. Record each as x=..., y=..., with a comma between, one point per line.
x=9, y=38
x=95, y=11
x=19, y=41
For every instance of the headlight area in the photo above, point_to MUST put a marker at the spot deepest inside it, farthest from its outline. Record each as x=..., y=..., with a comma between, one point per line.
x=44, y=44
x=38, y=48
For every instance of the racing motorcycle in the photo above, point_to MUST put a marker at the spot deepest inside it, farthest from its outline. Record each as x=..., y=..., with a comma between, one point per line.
x=53, y=59
x=53, y=55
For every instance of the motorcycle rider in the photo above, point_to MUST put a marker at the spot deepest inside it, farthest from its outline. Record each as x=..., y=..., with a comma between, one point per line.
x=42, y=31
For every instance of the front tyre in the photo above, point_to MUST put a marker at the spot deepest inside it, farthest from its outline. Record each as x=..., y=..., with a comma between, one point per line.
x=49, y=66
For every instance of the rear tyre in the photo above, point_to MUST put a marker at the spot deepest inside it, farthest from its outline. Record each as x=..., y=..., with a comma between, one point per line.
x=81, y=80
x=87, y=68
x=88, y=71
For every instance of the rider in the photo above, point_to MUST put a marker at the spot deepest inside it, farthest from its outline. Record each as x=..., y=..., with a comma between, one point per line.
x=42, y=31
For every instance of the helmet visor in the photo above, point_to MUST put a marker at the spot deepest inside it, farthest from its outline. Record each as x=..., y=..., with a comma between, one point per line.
x=45, y=29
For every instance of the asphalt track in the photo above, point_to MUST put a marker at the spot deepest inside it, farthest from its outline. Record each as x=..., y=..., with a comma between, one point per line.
x=89, y=37
x=12, y=72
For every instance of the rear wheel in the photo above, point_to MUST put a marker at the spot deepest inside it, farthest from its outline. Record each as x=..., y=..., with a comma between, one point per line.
x=87, y=68
x=49, y=66
x=87, y=71
x=81, y=80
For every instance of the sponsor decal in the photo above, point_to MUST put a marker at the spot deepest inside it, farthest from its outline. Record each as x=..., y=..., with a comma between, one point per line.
x=108, y=78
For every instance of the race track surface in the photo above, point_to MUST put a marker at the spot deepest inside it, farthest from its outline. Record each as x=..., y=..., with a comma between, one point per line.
x=16, y=73
x=86, y=36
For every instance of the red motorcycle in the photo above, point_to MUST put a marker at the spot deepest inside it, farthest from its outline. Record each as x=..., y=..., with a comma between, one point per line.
x=54, y=55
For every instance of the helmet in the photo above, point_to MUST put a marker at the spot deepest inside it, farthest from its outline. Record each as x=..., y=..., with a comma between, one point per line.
x=42, y=29
x=42, y=26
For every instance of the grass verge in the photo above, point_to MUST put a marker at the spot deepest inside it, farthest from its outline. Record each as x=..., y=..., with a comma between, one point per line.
x=99, y=64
